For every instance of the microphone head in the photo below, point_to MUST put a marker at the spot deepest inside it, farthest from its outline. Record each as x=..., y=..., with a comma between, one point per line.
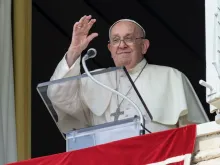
x=91, y=53
x=205, y=84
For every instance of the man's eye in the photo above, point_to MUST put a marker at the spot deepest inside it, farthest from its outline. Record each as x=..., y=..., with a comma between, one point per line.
x=115, y=40
x=128, y=39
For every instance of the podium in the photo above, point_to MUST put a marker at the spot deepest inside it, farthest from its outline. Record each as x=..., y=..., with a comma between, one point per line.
x=101, y=134
x=87, y=114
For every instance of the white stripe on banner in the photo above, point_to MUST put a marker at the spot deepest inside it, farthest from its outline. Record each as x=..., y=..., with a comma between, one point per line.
x=186, y=158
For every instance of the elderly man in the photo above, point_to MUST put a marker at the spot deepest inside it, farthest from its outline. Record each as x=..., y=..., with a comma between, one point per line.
x=166, y=91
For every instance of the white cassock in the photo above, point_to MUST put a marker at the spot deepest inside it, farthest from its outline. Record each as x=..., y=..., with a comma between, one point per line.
x=166, y=91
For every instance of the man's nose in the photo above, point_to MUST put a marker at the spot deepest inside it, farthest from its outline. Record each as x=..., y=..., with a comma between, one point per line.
x=122, y=44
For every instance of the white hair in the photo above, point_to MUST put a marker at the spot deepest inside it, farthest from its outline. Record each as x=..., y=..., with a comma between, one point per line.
x=129, y=20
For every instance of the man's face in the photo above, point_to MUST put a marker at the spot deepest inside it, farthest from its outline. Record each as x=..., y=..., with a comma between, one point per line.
x=126, y=45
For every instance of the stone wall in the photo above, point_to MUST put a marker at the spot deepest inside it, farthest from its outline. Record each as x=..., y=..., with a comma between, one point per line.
x=207, y=147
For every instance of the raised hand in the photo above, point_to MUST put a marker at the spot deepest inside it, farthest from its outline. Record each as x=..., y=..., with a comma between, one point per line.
x=80, y=38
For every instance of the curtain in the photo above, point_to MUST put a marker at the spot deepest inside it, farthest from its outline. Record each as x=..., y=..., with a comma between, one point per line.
x=8, y=150
x=22, y=75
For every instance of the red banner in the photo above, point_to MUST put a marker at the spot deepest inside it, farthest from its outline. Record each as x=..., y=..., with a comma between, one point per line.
x=173, y=147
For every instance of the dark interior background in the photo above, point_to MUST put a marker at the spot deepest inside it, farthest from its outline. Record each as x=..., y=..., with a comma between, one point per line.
x=176, y=30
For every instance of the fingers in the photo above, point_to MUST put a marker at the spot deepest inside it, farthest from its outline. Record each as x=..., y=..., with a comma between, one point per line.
x=83, y=27
x=91, y=37
x=76, y=26
x=85, y=23
x=90, y=23
x=85, y=20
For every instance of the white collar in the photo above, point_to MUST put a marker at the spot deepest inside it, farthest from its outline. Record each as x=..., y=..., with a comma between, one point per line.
x=138, y=67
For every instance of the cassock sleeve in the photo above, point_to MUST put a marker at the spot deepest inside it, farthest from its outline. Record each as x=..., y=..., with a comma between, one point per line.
x=67, y=99
x=173, y=97
x=196, y=113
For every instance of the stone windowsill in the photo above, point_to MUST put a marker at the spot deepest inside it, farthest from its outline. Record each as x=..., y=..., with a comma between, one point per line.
x=207, y=147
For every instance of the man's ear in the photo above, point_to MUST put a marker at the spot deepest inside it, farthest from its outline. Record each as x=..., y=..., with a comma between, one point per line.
x=109, y=47
x=145, y=46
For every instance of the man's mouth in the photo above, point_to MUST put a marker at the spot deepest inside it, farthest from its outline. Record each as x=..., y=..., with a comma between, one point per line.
x=124, y=53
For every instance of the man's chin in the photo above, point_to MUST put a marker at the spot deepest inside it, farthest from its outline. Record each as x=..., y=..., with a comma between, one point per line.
x=123, y=63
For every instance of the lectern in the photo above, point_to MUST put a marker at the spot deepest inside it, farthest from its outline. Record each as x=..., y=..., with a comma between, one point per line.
x=71, y=102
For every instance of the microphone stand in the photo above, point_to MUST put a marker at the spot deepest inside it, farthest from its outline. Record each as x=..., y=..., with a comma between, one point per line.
x=91, y=53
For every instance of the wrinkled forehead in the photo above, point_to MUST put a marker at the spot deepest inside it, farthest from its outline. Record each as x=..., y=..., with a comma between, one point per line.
x=131, y=24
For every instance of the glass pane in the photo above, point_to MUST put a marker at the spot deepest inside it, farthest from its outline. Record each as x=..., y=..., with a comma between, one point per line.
x=79, y=102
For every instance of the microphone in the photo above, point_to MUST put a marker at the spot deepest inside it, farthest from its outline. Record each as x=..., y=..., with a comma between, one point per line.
x=92, y=53
x=205, y=84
